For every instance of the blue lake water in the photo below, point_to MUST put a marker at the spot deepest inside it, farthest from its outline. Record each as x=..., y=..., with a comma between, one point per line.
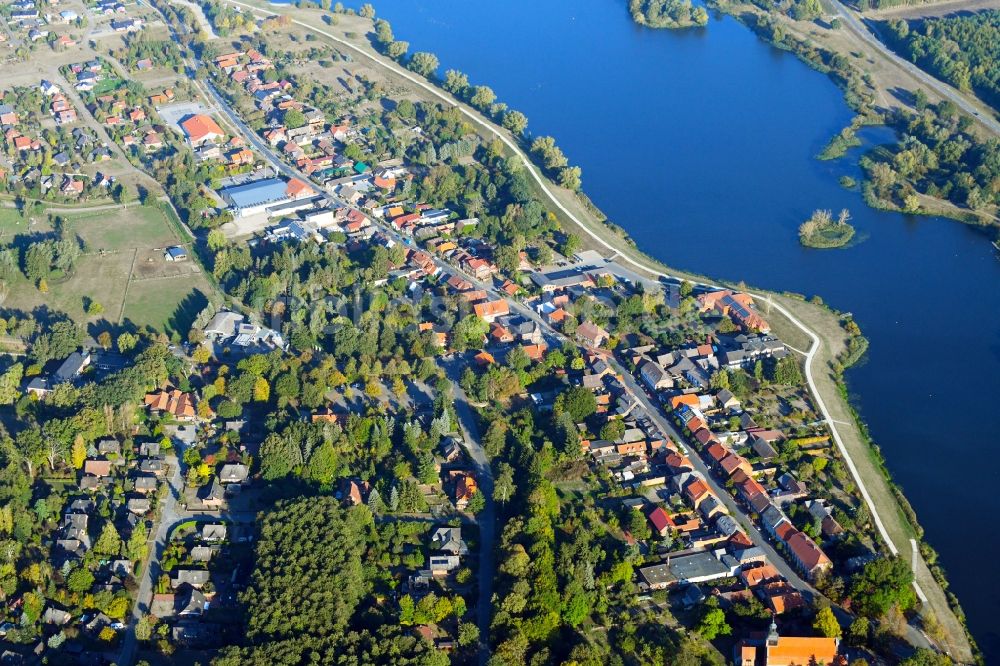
x=700, y=144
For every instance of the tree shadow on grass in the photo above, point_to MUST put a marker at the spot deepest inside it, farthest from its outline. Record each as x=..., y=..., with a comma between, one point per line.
x=185, y=314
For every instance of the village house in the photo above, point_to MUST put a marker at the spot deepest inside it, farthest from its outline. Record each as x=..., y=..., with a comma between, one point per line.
x=140, y=506
x=8, y=116
x=72, y=367
x=154, y=466
x=233, y=473
x=234, y=330
x=660, y=521
x=490, y=310
x=352, y=492
x=442, y=565
x=808, y=557
x=213, y=496
x=654, y=376
x=196, y=578
x=213, y=532
x=449, y=540
x=591, y=334
x=465, y=488
x=97, y=468
x=735, y=305
x=145, y=483
x=173, y=402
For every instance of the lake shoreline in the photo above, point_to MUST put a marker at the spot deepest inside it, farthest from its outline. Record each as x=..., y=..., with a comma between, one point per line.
x=820, y=319
x=858, y=98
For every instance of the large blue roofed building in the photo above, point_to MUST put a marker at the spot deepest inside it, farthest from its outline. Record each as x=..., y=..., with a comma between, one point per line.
x=272, y=196
x=256, y=193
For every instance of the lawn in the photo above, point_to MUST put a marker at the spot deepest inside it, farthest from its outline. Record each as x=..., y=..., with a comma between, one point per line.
x=12, y=224
x=101, y=278
x=107, y=85
x=133, y=227
x=167, y=304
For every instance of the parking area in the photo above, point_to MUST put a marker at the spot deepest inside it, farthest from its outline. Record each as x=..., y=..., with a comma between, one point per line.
x=173, y=114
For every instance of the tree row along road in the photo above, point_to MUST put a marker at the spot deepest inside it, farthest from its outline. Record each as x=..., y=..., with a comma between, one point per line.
x=980, y=113
x=622, y=255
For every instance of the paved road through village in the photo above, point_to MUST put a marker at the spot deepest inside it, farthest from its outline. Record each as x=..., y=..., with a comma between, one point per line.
x=599, y=238
x=981, y=113
x=487, y=517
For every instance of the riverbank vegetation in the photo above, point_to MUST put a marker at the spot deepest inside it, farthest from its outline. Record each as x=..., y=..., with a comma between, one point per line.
x=822, y=231
x=667, y=13
x=936, y=155
x=962, y=50
x=843, y=141
x=543, y=150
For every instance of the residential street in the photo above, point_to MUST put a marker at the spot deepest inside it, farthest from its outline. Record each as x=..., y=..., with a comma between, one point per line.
x=735, y=510
x=487, y=517
x=553, y=335
x=83, y=113
x=914, y=636
x=168, y=516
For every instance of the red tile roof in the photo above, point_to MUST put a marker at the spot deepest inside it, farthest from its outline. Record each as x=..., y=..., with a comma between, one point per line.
x=200, y=127
x=660, y=519
x=297, y=189
x=491, y=309
x=535, y=352
x=807, y=552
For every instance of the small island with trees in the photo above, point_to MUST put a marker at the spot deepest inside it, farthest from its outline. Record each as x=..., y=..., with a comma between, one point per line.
x=822, y=231
x=667, y=13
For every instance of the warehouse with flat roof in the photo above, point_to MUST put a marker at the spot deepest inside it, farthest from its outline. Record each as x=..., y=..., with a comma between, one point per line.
x=273, y=196
x=692, y=567
x=255, y=193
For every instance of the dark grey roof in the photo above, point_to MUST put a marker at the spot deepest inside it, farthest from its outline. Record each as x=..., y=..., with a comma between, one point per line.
x=697, y=565
x=145, y=482
x=194, y=577
x=657, y=575
x=763, y=449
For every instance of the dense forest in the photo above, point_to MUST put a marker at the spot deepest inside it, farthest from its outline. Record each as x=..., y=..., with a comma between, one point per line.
x=310, y=596
x=962, y=50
